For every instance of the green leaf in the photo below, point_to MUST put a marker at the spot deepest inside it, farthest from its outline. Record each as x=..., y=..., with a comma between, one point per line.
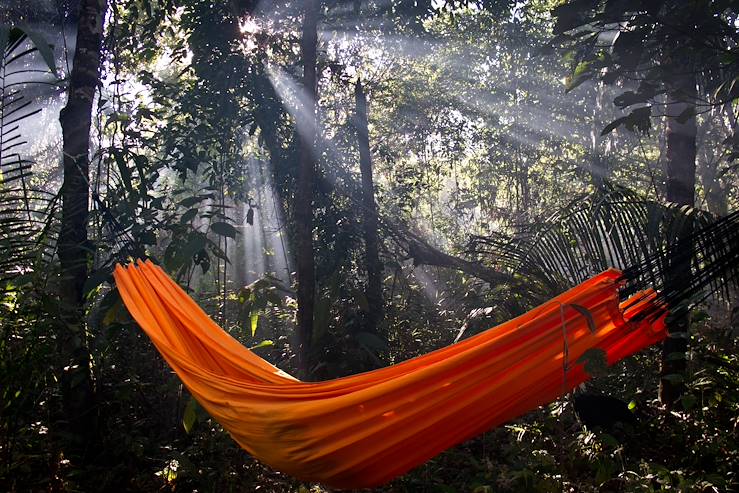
x=674, y=378
x=178, y=255
x=595, y=362
x=571, y=15
x=148, y=238
x=372, y=341
x=125, y=173
x=609, y=440
x=188, y=216
x=686, y=114
x=265, y=343
x=580, y=75
x=689, y=401
x=190, y=416
x=629, y=98
x=223, y=229
x=191, y=201
x=112, y=314
x=585, y=313
x=677, y=356
x=639, y=120
x=43, y=48
x=96, y=279
x=254, y=318
x=613, y=126
x=632, y=405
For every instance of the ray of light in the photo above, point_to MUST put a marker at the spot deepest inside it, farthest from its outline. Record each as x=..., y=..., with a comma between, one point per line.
x=265, y=248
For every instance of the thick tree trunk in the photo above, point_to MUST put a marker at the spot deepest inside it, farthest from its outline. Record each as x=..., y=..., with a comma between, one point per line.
x=680, y=169
x=369, y=214
x=304, y=195
x=74, y=252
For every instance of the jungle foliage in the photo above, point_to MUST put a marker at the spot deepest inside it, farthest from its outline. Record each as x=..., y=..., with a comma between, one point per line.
x=468, y=159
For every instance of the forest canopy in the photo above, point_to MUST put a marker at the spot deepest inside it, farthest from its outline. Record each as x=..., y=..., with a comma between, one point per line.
x=344, y=185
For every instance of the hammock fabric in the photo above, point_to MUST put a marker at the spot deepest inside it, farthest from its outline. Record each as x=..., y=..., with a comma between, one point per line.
x=366, y=429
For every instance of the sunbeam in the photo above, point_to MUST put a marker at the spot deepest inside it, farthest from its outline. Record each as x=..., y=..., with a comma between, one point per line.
x=265, y=247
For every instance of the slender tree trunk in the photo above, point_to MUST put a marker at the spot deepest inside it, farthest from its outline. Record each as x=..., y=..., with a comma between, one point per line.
x=716, y=196
x=369, y=212
x=600, y=146
x=708, y=166
x=74, y=251
x=680, y=167
x=304, y=195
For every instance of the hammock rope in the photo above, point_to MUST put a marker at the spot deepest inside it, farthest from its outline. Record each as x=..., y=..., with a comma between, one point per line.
x=366, y=429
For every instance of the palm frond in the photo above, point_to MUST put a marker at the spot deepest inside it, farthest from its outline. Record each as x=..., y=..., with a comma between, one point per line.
x=617, y=228
x=27, y=229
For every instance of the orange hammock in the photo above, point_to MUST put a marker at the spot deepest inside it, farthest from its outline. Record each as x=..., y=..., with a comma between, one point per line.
x=366, y=429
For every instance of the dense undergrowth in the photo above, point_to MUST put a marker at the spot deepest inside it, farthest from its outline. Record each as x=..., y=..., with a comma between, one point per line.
x=144, y=412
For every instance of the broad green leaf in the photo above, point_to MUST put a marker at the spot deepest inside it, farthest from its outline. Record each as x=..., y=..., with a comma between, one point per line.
x=190, y=416
x=585, y=313
x=372, y=341
x=609, y=439
x=674, y=378
x=613, y=126
x=629, y=98
x=639, y=120
x=580, y=75
x=43, y=48
x=689, y=401
x=223, y=229
x=686, y=114
x=677, y=356
x=112, y=314
x=265, y=343
x=125, y=173
x=188, y=216
x=96, y=279
x=595, y=362
x=190, y=201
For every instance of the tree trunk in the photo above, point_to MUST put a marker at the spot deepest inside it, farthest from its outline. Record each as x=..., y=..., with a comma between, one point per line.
x=423, y=253
x=304, y=195
x=369, y=212
x=74, y=251
x=600, y=146
x=680, y=170
x=708, y=166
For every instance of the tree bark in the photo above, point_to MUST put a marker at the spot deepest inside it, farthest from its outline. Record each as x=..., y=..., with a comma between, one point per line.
x=680, y=170
x=424, y=254
x=600, y=146
x=369, y=214
x=715, y=192
x=304, y=195
x=77, y=386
